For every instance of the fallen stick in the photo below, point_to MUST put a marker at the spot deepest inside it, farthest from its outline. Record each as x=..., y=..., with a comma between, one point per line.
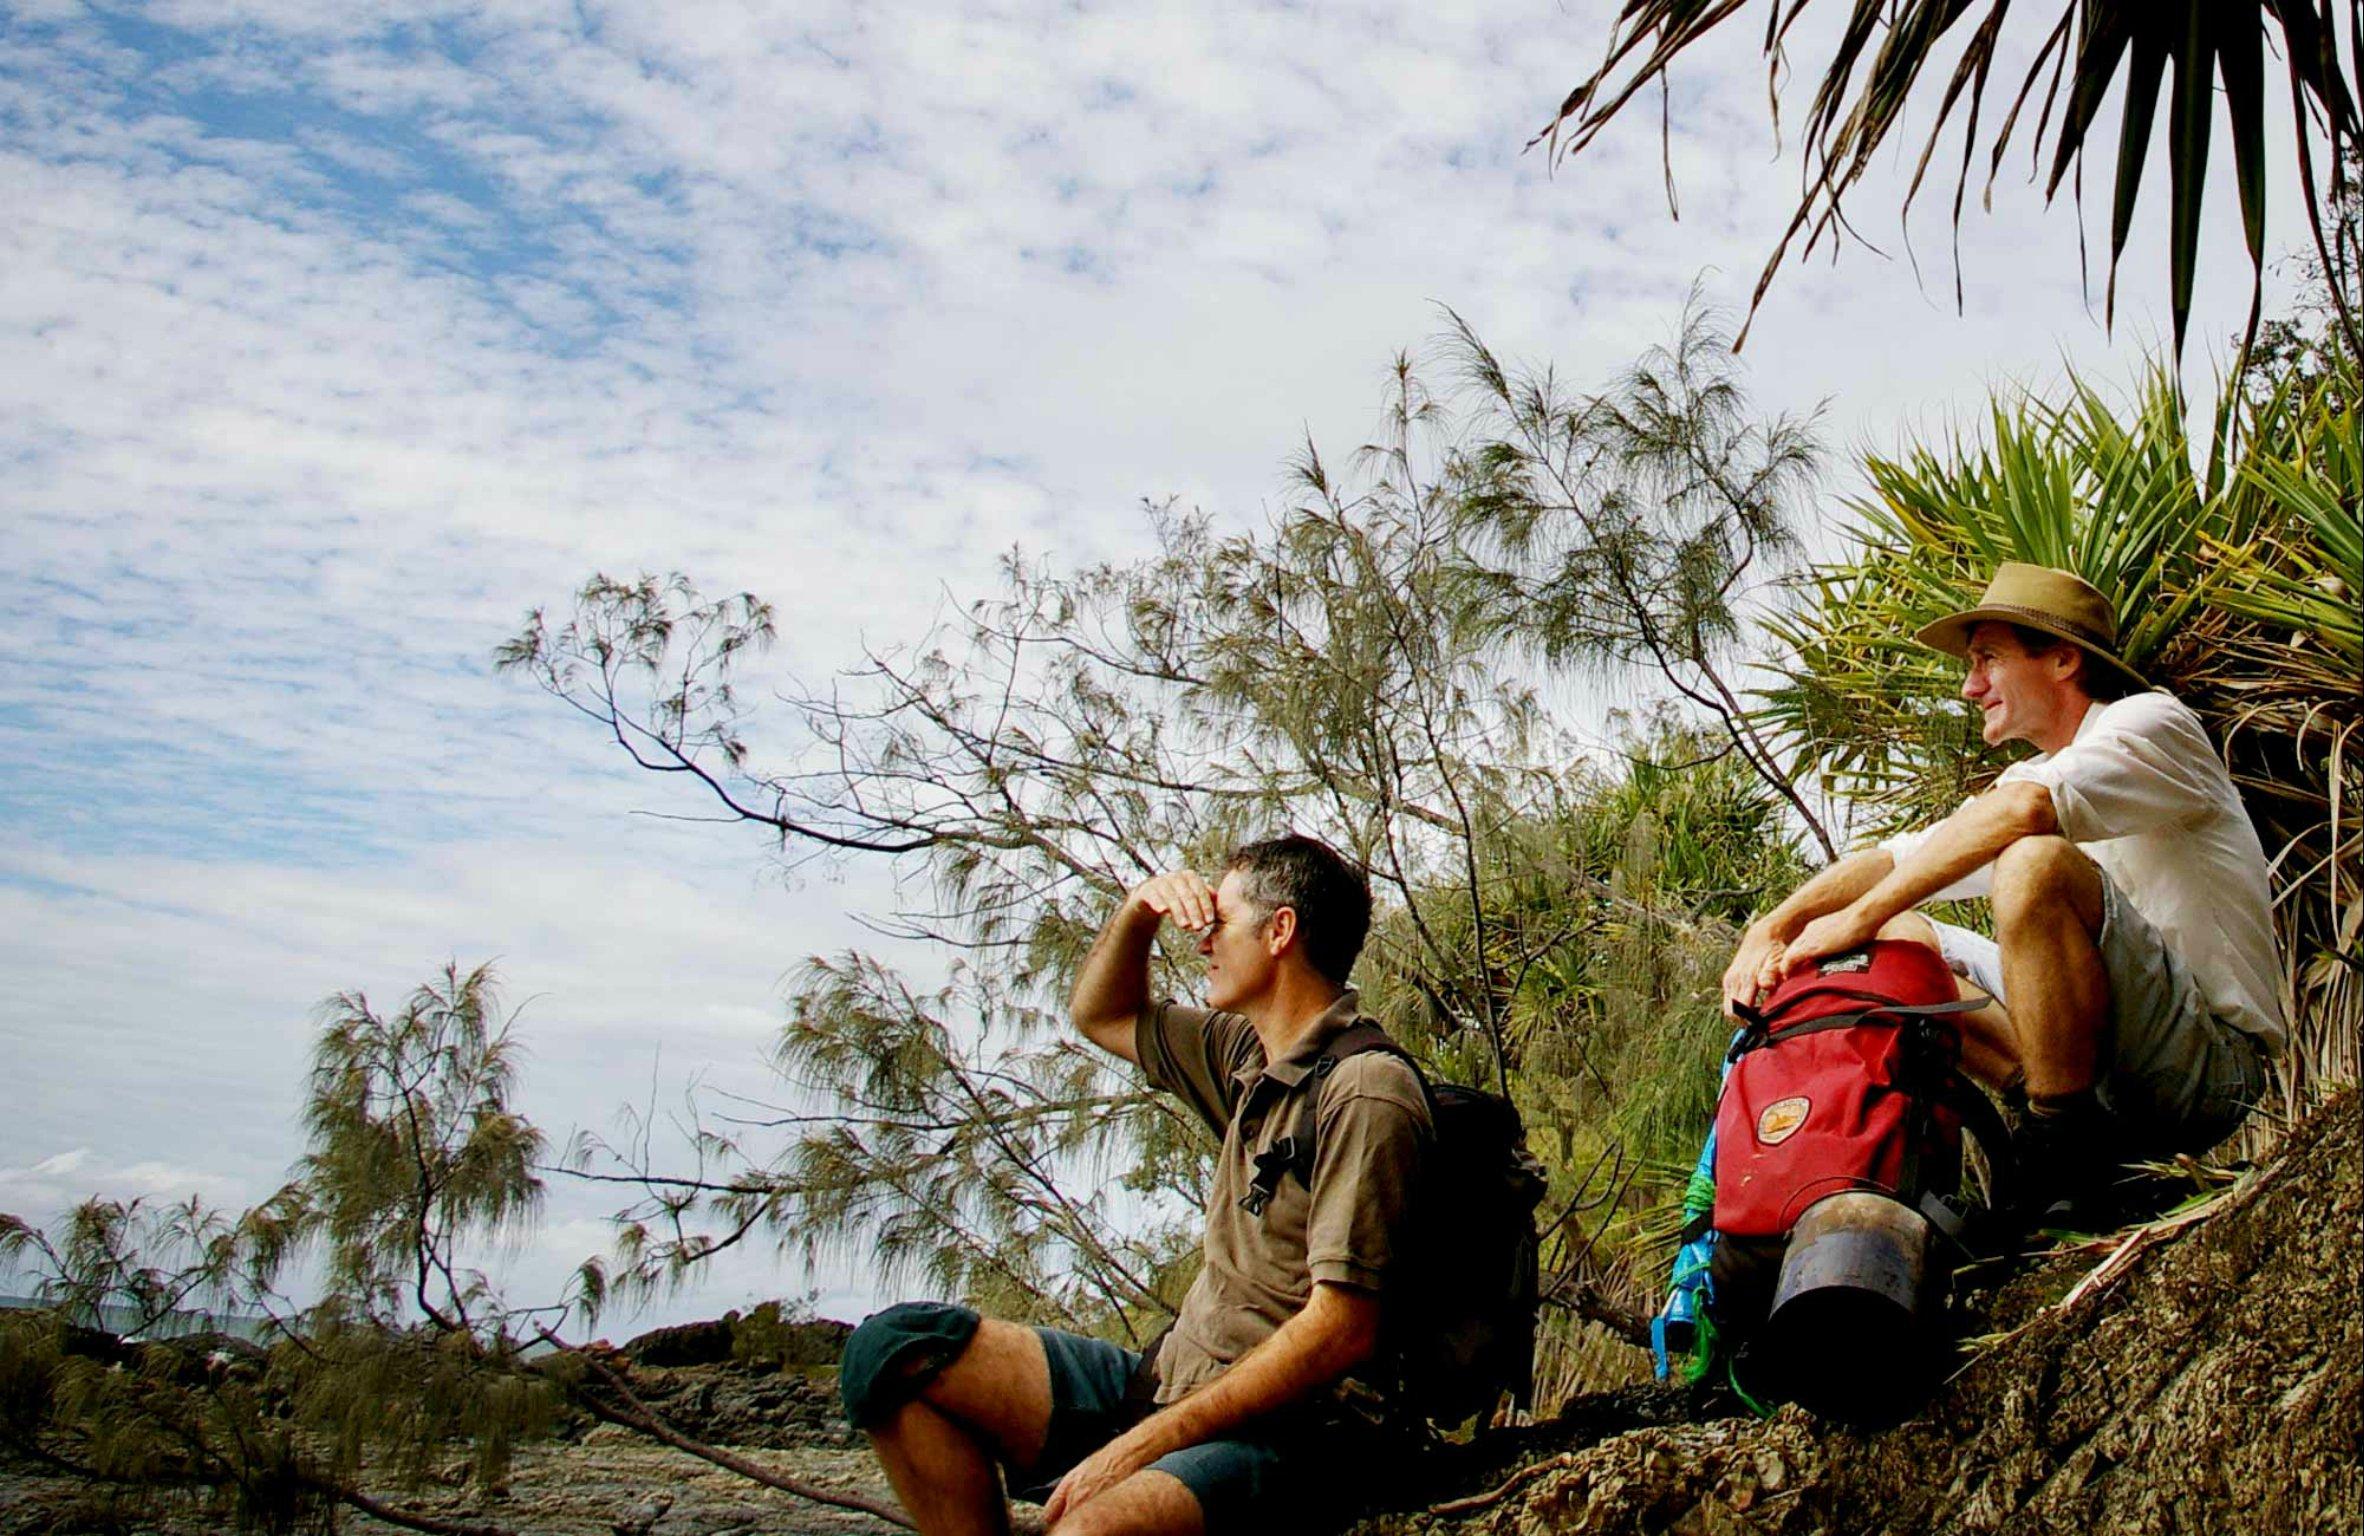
x=1453, y=1509
x=640, y=1418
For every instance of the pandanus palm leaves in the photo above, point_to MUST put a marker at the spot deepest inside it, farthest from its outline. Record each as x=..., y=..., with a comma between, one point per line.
x=2236, y=586
x=2186, y=52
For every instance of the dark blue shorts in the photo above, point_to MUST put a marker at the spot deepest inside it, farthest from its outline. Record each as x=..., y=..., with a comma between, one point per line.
x=1098, y=1391
x=1250, y=1481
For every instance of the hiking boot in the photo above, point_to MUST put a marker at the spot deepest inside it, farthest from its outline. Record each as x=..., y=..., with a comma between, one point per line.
x=2066, y=1149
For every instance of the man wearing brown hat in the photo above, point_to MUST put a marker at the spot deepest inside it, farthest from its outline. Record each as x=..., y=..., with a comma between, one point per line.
x=2133, y=955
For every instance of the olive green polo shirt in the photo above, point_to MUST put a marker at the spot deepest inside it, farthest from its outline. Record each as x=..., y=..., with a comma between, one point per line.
x=1371, y=1133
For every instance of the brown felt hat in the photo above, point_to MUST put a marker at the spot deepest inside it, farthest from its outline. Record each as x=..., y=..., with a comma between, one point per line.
x=2041, y=598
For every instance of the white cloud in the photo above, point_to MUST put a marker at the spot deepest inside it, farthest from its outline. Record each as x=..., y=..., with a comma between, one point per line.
x=302, y=406
x=68, y=1178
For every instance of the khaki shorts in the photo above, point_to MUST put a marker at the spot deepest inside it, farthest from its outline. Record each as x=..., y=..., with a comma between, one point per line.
x=2176, y=1075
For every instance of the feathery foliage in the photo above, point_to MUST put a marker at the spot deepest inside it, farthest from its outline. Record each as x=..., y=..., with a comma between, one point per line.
x=1372, y=667
x=415, y=1158
x=414, y=1148
x=1633, y=529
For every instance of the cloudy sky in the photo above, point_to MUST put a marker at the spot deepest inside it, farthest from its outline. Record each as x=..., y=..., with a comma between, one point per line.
x=332, y=338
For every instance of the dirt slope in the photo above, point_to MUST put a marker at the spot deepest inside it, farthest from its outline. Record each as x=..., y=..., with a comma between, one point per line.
x=2209, y=1379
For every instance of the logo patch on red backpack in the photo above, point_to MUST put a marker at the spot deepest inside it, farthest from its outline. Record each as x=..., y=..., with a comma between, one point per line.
x=1781, y=1120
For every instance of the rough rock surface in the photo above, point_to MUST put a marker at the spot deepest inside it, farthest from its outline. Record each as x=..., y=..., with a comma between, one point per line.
x=761, y=1334
x=744, y=1405
x=608, y=1485
x=2206, y=1378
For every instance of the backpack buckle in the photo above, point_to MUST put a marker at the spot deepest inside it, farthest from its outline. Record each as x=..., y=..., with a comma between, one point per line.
x=1272, y=1165
x=1274, y=1160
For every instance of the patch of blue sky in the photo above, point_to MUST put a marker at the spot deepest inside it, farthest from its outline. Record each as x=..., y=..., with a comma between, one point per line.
x=86, y=771
x=38, y=885
x=1073, y=258
x=399, y=173
x=113, y=799
x=117, y=799
x=830, y=234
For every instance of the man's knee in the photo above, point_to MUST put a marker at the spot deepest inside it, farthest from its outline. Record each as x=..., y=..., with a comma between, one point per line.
x=989, y=1378
x=1911, y=928
x=896, y=1353
x=2035, y=873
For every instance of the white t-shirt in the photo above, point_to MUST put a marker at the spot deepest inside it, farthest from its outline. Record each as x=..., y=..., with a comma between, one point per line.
x=2147, y=798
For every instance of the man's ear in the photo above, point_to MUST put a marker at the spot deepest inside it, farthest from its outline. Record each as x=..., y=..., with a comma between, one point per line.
x=1280, y=931
x=2069, y=663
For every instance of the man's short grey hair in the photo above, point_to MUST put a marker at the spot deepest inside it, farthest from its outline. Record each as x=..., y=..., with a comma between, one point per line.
x=1329, y=893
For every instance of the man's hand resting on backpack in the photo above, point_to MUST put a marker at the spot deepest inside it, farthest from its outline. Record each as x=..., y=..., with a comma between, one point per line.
x=1764, y=962
x=1755, y=967
x=1833, y=933
x=1821, y=918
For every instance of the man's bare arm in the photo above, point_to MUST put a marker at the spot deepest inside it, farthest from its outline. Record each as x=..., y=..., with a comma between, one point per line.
x=1969, y=839
x=1112, y=987
x=1334, y=1332
x=1755, y=966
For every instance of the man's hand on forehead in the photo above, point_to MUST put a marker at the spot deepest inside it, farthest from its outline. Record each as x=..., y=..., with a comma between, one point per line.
x=1182, y=895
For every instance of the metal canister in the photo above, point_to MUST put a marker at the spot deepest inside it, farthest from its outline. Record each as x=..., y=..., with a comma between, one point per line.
x=1852, y=1334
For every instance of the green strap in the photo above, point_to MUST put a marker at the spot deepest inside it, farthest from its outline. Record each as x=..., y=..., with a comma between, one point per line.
x=1732, y=1375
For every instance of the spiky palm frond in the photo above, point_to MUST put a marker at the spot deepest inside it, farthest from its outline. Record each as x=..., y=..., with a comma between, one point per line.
x=2187, y=52
x=2236, y=589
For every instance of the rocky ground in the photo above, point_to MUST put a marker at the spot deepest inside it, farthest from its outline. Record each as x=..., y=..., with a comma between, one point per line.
x=611, y=1484
x=2200, y=1377
x=603, y=1482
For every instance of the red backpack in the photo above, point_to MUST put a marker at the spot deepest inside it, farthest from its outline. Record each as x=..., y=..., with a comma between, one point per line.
x=1844, y=1078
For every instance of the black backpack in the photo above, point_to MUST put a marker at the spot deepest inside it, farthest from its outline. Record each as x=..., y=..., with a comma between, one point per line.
x=1461, y=1309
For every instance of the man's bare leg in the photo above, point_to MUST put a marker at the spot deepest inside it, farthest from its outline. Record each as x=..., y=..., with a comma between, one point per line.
x=1149, y=1503
x=1990, y=1050
x=941, y=1449
x=2048, y=914
x=947, y=1481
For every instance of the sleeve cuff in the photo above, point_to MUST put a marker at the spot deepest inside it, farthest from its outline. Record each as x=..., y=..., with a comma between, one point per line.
x=2070, y=812
x=1149, y=1045
x=1346, y=1272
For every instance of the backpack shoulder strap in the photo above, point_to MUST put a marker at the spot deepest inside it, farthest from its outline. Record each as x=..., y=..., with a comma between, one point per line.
x=1762, y=1030
x=1294, y=1153
x=1356, y=1038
